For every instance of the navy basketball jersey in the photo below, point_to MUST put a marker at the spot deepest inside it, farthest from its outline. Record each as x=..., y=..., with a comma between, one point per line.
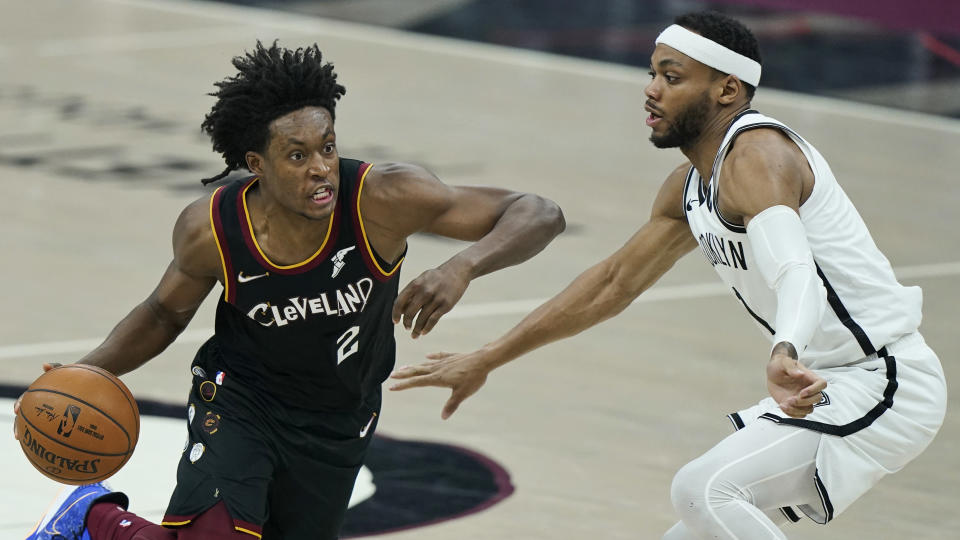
x=316, y=335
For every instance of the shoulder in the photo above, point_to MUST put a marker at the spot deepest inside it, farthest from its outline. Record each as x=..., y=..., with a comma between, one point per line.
x=764, y=168
x=669, y=201
x=195, y=248
x=399, y=178
x=767, y=150
x=388, y=185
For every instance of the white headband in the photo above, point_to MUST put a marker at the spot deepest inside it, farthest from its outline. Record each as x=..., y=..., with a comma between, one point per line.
x=711, y=53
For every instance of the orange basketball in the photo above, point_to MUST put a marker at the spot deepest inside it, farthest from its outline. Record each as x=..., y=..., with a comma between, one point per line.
x=78, y=424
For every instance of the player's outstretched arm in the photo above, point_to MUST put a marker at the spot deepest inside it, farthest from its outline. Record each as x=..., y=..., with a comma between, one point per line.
x=599, y=293
x=506, y=228
x=157, y=321
x=153, y=324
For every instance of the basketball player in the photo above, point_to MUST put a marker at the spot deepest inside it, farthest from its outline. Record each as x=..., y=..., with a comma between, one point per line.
x=854, y=392
x=286, y=394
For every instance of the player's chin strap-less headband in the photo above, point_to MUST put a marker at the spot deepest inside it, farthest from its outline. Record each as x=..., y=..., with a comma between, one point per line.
x=711, y=53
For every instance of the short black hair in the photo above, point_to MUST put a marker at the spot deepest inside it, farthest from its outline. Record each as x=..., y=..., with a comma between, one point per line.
x=271, y=82
x=726, y=31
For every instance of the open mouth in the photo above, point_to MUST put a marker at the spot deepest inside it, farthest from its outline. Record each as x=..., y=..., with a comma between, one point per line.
x=322, y=195
x=654, y=117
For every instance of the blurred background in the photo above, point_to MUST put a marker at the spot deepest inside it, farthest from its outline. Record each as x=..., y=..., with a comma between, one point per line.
x=904, y=55
x=100, y=149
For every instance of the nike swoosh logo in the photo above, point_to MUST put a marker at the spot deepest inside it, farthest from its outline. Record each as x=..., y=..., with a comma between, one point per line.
x=366, y=428
x=243, y=279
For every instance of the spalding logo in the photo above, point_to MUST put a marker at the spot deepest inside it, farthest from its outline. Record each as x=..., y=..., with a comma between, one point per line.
x=34, y=447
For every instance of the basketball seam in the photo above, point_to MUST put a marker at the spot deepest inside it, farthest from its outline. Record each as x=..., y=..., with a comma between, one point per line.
x=113, y=380
x=94, y=407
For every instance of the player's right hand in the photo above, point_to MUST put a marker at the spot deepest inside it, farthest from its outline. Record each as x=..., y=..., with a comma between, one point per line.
x=795, y=387
x=464, y=374
x=16, y=404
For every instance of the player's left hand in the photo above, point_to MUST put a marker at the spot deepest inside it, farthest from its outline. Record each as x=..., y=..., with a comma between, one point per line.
x=463, y=374
x=795, y=387
x=430, y=296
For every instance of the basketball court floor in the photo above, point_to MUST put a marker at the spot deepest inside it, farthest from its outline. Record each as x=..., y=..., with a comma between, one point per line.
x=100, y=103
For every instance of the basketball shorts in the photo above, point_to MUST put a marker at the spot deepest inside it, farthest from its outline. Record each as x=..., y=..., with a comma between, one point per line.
x=282, y=474
x=875, y=416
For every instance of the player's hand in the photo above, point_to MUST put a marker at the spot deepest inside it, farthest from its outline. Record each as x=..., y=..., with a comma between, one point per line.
x=462, y=373
x=16, y=404
x=794, y=386
x=430, y=296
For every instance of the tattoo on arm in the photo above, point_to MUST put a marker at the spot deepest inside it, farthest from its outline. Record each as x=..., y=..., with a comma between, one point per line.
x=787, y=348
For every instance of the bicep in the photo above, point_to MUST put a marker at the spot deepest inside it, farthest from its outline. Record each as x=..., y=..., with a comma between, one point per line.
x=761, y=174
x=194, y=269
x=179, y=294
x=468, y=212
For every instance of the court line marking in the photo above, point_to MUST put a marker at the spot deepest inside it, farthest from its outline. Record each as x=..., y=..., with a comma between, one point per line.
x=471, y=311
x=254, y=17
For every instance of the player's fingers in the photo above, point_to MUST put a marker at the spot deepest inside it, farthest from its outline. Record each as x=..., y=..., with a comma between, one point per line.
x=814, y=389
x=808, y=401
x=430, y=320
x=440, y=355
x=412, y=312
x=48, y=366
x=434, y=319
x=414, y=382
x=400, y=304
x=16, y=411
x=792, y=408
x=406, y=372
x=451, y=406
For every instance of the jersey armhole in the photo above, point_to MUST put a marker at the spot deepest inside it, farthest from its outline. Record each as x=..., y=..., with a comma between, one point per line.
x=216, y=224
x=381, y=270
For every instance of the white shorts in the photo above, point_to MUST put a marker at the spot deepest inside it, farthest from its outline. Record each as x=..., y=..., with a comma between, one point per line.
x=876, y=415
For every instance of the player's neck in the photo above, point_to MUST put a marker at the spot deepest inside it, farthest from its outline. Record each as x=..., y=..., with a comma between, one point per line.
x=703, y=151
x=285, y=236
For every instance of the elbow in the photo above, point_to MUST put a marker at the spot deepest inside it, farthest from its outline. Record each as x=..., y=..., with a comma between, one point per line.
x=551, y=216
x=556, y=219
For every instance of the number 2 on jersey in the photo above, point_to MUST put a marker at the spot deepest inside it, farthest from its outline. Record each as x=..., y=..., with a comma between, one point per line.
x=348, y=343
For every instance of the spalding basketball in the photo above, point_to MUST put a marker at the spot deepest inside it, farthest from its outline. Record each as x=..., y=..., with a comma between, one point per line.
x=78, y=424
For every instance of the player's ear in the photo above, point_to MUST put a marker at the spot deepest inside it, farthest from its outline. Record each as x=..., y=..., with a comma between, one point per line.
x=254, y=162
x=730, y=89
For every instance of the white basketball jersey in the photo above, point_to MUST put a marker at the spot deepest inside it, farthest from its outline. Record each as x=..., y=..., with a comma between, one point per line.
x=867, y=307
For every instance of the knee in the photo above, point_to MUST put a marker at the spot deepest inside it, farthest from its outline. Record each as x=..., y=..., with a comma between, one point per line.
x=686, y=491
x=697, y=487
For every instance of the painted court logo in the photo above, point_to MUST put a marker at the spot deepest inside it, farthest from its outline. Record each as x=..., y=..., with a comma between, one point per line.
x=404, y=484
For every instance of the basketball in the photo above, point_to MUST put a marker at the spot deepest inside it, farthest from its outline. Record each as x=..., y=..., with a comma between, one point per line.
x=78, y=424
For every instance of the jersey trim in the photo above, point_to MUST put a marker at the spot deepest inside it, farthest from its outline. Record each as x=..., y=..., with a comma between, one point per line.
x=753, y=314
x=239, y=525
x=216, y=223
x=824, y=499
x=687, y=207
x=246, y=225
x=248, y=528
x=369, y=256
x=789, y=514
x=862, y=422
x=715, y=186
x=841, y=311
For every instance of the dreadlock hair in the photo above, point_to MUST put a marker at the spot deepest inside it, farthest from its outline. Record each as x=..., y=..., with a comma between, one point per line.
x=728, y=32
x=271, y=82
